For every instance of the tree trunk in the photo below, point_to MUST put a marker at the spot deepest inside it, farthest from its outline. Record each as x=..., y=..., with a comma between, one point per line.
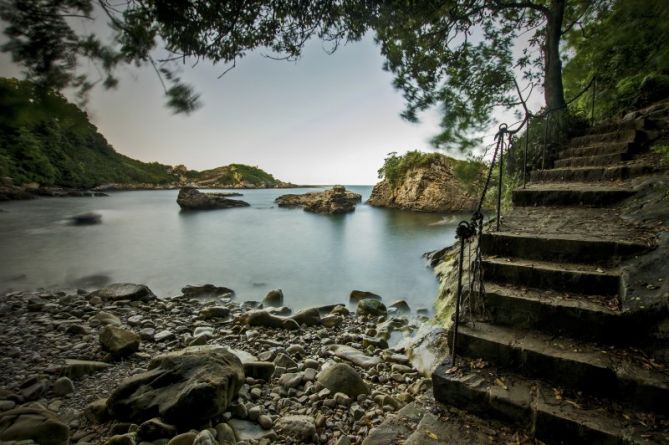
x=553, y=89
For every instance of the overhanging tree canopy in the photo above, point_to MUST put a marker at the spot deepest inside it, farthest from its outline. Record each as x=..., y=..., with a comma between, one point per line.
x=457, y=54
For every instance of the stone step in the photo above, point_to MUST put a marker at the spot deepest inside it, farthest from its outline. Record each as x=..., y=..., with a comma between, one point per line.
x=619, y=135
x=610, y=126
x=591, y=174
x=570, y=248
x=605, y=148
x=613, y=373
x=559, y=277
x=590, y=161
x=567, y=314
x=576, y=194
x=536, y=406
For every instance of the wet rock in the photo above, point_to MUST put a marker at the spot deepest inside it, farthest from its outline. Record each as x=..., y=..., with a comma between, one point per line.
x=247, y=431
x=334, y=201
x=265, y=422
x=122, y=439
x=307, y=317
x=164, y=335
x=79, y=368
x=183, y=439
x=190, y=198
x=214, y=312
x=290, y=379
x=265, y=319
x=184, y=387
x=105, y=318
x=354, y=356
x=33, y=423
x=96, y=411
x=273, y=298
x=370, y=307
x=358, y=295
x=343, y=378
x=154, y=429
x=401, y=306
x=33, y=389
x=299, y=428
x=330, y=321
x=284, y=361
x=225, y=434
x=204, y=437
x=125, y=291
x=63, y=386
x=206, y=291
x=259, y=370
x=118, y=341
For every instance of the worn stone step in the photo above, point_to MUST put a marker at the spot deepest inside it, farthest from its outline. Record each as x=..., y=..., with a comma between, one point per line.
x=591, y=174
x=559, y=277
x=614, y=125
x=619, y=135
x=573, y=194
x=534, y=405
x=568, y=314
x=590, y=161
x=604, y=148
x=607, y=372
x=572, y=248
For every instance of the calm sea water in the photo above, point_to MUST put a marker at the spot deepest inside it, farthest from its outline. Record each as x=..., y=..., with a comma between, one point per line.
x=145, y=238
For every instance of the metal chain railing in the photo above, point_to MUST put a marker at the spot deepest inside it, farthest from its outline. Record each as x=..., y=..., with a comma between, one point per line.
x=470, y=231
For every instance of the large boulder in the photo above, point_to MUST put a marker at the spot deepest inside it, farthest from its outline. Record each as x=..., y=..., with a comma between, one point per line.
x=185, y=388
x=34, y=423
x=333, y=201
x=273, y=298
x=119, y=342
x=124, y=291
x=192, y=199
x=357, y=295
x=341, y=377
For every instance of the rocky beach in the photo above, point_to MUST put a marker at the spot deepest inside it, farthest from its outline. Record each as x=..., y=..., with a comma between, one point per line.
x=121, y=366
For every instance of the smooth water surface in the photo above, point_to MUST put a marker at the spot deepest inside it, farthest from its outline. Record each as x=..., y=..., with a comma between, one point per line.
x=145, y=238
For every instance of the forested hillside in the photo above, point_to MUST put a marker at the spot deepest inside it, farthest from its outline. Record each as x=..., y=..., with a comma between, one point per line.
x=50, y=141
x=46, y=139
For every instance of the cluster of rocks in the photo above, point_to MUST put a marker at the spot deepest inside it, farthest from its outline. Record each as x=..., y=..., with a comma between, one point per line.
x=190, y=198
x=120, y=366
x=334, y=201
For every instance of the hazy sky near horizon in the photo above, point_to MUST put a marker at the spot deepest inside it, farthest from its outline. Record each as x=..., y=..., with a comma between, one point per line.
x=324, y=119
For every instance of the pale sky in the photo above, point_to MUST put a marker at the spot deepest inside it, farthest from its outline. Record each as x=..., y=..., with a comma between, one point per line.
x=324, y=119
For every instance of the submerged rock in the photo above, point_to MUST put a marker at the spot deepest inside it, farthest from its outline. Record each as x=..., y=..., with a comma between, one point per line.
x=333, y=201
x=192, y=199
x=273, y=298
x=186, y=387
x=85, y=219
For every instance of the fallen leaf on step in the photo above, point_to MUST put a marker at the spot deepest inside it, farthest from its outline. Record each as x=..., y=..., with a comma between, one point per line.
x=599, y=269
x=574, y=404
x=501, y=383
x=431, y=435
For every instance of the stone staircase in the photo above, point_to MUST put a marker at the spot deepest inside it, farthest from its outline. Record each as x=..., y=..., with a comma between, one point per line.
x=559, y=348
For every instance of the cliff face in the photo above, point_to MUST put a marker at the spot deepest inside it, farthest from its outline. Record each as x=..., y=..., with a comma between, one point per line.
x=426, y=188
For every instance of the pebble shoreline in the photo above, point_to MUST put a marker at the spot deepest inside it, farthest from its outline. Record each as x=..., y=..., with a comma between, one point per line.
x=42, y=329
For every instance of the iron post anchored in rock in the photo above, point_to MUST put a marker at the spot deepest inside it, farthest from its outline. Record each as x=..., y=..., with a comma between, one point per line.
x=464, y=232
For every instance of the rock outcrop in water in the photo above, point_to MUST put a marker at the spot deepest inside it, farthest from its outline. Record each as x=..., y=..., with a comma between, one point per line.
x=192, y=199
x=334, y=201
x=430, y=187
